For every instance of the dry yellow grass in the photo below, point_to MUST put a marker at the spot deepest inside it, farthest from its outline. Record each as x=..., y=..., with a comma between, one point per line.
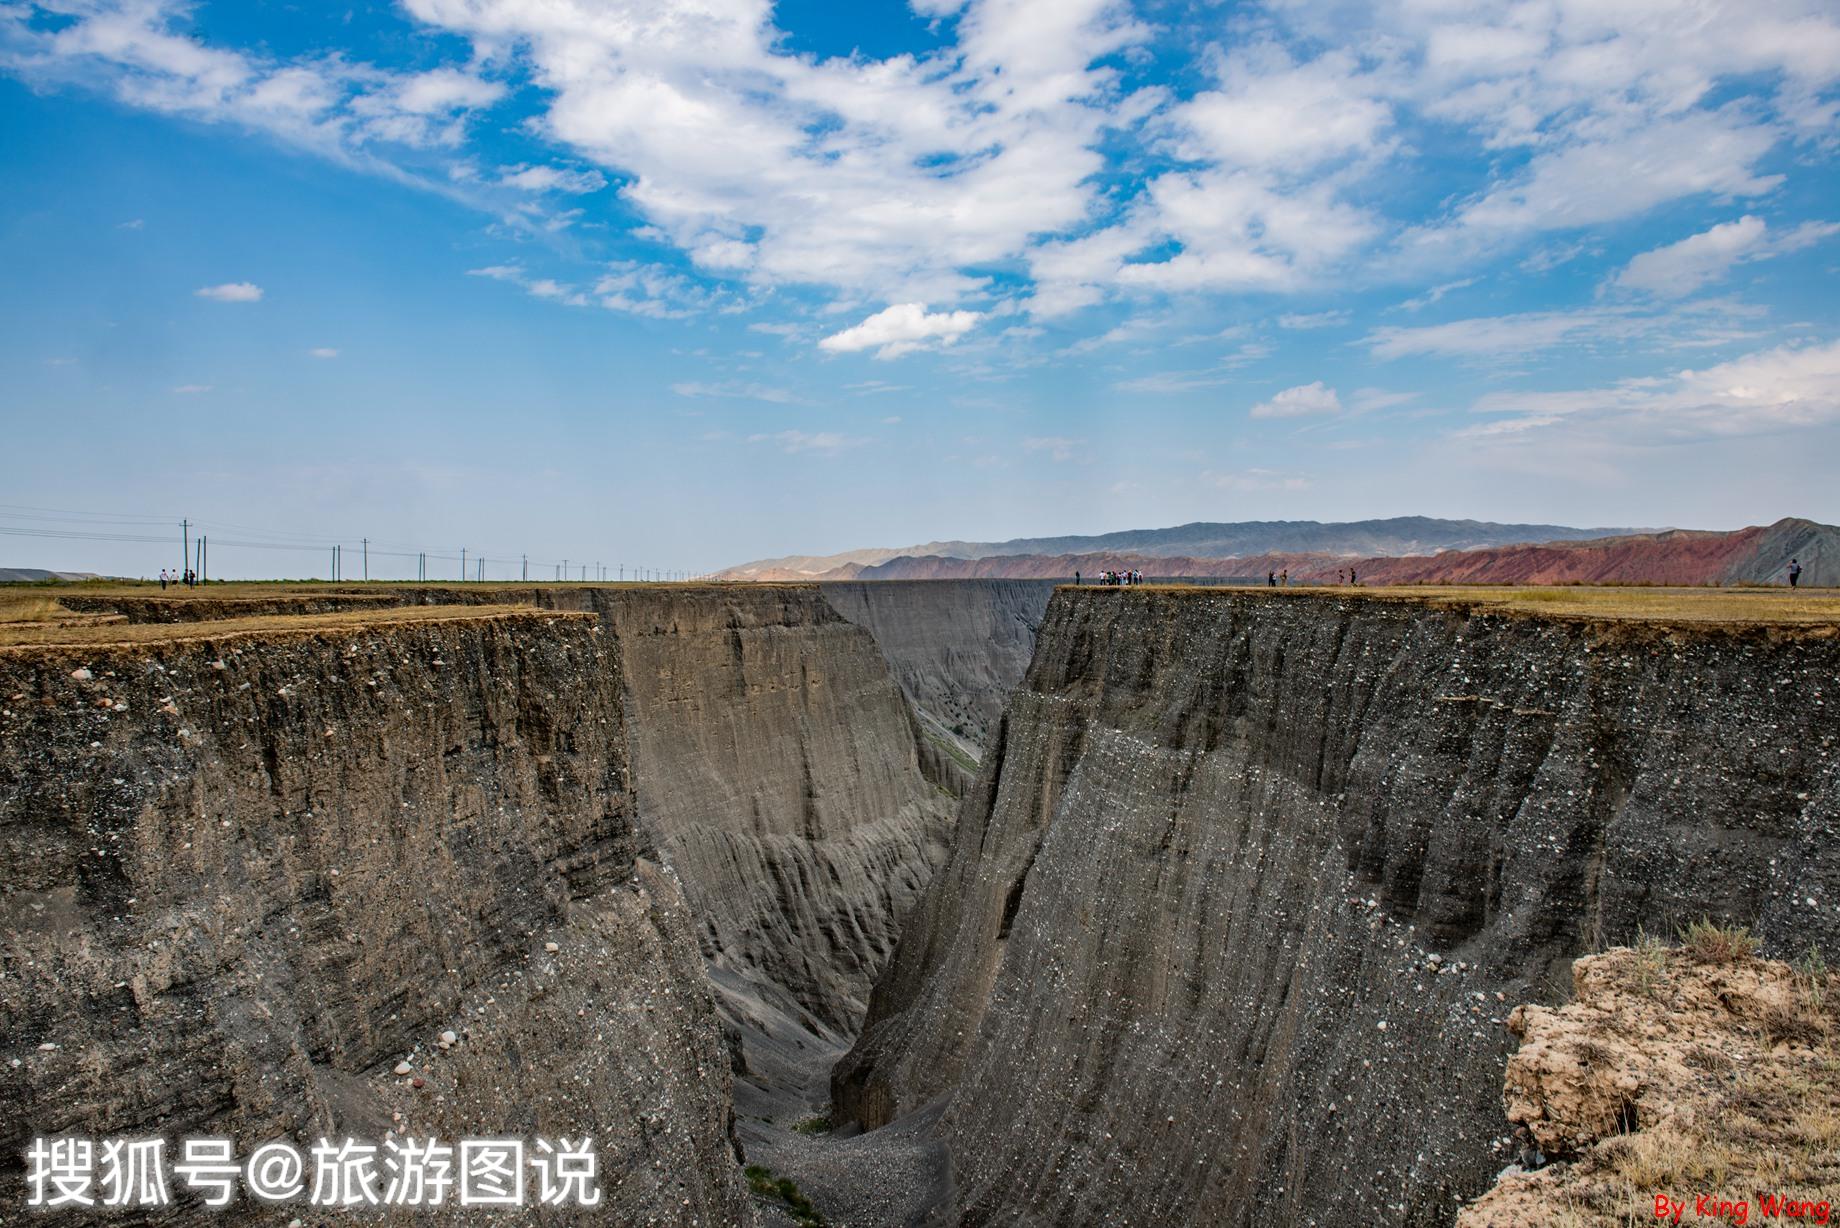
x=1763, y=1119
x=1731, y=607
x=47, y=635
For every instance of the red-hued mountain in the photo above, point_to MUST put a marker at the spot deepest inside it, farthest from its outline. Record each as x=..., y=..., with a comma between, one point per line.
x=1207, y=540
x=1756, y=555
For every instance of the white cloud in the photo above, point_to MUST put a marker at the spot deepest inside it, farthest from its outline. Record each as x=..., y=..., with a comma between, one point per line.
x=1058, y=447
x=1320, y=319
x=192, y=389
x=909, y=178
x=1697, y=324
x=1161, y=382
x=141, y=53
x=1373, y=400
x=1272, y=112
x=1299, y=402
x=1512, y=334
x=735, y=390
x=1678, y=269
x=626, y=286
x=231, y=292
x=552, y=179
x=132, y=224
x=886, y=178
x=1779, y=389
x=1436, y=293
x=902, y=329
x=824, y=443
x=323, y=351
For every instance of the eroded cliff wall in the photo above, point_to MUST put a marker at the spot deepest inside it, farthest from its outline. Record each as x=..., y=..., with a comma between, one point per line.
x=776, y=761
x=1235, y=908
x=957, y=647
x=245, y=876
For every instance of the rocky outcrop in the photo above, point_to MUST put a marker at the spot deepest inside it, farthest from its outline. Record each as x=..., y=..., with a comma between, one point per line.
x=957, y=647
x=1679, y=1085
x=246, y=877
x=1247, y=880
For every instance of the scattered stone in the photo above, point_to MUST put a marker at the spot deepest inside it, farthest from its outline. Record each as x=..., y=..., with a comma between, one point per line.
x=403, y=1068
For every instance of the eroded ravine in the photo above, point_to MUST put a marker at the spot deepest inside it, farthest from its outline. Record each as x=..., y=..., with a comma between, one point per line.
x=1245, y=888
x=1222, y=932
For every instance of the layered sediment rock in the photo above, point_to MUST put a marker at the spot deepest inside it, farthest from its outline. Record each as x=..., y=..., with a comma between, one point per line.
x=246, y=877
x=1246, y=884
x=776, y=762
x=957, y=647
x=276, y=863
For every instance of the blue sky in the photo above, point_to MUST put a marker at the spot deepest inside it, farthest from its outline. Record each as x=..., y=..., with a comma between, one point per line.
x=684, y=284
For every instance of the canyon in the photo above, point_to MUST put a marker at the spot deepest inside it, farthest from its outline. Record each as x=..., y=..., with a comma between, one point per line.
x=1104, y=906
x=1246, y=879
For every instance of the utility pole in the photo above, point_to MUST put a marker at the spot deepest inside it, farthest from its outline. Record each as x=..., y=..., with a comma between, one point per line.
x=185, y=546
x=565, y=569
x=204, y=559
x=367, y=560
x=525, y=573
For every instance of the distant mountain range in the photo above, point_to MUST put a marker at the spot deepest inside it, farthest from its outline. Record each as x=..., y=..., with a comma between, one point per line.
x=1411, y=550
x=29, y=575
x=1401, y=535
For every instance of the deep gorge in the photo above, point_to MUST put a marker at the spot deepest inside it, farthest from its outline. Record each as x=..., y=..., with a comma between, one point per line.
x=1221, y=930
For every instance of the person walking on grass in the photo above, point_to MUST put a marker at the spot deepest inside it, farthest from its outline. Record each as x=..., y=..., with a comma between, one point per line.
x=1795, y=573
x=1076, y=578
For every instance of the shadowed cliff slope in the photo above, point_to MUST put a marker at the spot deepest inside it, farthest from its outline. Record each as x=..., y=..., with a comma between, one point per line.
x=776, y=761
x=1247, y=880
x=958, y=648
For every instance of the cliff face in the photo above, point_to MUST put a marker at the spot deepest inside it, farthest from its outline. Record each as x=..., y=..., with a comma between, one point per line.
x=281, y=860
x=245, y=877
x=776, y=762
x=957, y=647
x=1234, y=908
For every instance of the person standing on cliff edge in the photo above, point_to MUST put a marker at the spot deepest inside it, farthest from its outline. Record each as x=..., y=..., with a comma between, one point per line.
x=1795, y=573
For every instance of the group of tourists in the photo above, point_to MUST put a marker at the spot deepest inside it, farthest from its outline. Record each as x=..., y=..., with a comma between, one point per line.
x=1282, y=579
x=1114, y=577
x=188, y=577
